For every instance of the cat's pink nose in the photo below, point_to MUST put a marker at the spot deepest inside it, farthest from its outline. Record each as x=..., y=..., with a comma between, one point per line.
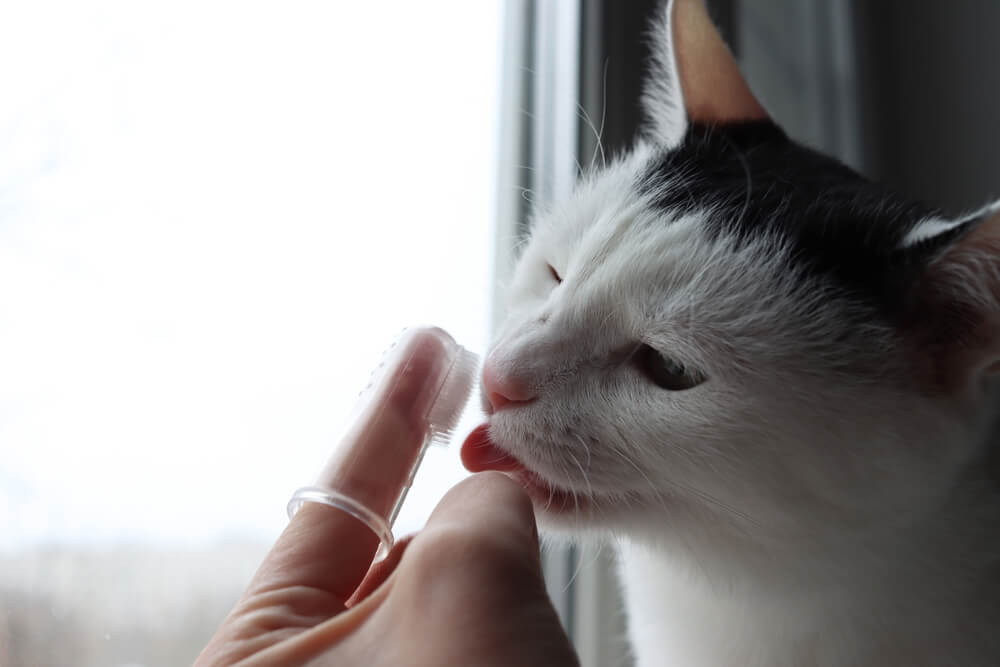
x=504, y=390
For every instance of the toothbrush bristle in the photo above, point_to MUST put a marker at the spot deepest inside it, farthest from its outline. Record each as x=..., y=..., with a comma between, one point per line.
x=454, y=395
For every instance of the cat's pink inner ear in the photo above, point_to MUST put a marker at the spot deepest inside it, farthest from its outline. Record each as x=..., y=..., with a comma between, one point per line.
x=983, y=248
x=962, y=305
x=714, y=90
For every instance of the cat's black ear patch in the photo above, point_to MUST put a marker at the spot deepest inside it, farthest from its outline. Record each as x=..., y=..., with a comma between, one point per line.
x=754, y=184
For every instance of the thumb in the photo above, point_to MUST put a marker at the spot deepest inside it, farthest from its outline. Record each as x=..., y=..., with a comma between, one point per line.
x=491, y=508
x=477, y=564
x=482, y=532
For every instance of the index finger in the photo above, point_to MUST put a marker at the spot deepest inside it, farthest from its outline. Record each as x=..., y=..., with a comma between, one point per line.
x=328, y=549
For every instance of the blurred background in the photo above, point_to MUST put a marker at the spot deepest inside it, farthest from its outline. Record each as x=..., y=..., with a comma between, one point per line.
x=215, y=215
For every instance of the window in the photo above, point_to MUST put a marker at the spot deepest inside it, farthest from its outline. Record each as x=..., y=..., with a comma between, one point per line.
x=214, y=216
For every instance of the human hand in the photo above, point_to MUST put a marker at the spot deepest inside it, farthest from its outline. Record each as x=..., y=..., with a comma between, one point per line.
x=467, y=590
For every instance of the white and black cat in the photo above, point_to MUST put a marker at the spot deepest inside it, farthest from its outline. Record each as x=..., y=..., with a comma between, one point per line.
x=772, y=382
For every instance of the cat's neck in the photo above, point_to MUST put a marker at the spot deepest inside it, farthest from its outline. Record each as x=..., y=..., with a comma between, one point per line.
x=675, y=620
x=923, y=596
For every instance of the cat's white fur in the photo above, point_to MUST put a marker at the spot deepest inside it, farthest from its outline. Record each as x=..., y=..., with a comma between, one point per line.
x=931, y=227
x=776, y=514
x=795, y=509
x=662, y=97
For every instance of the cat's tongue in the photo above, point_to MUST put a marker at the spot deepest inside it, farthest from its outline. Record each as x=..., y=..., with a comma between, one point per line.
x=479, y=453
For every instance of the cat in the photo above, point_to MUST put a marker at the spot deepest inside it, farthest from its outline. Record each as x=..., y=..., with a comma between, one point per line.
x=771, y=382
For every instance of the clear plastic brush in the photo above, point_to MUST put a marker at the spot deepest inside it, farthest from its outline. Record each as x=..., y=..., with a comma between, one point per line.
x=415, y=399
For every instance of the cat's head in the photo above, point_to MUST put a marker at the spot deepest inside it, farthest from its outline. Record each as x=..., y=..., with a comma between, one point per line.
x=724, y=333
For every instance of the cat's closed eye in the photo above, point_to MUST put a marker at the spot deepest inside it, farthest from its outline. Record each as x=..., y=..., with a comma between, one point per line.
x=665, y=372
x=555, y=274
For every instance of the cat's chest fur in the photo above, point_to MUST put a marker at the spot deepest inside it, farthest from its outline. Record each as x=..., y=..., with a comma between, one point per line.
x=676, y=619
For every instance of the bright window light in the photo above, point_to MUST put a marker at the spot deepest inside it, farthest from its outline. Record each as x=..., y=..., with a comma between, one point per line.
x=214, y=216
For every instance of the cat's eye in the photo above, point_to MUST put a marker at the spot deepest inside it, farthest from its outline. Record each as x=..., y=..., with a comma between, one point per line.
x=665, y=372
x=555, y=274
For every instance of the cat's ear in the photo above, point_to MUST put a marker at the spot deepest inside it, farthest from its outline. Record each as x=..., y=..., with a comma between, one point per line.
x=956, y=310
x=694, y=76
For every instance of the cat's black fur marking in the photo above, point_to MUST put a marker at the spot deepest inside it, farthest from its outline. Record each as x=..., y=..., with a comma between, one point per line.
x=754, y=181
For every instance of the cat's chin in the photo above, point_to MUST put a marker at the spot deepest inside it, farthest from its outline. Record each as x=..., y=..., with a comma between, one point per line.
x=562, y=511
x=480, y=453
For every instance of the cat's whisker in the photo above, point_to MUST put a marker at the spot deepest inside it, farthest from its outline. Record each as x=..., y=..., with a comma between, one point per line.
x=712, y=500
x=582, y=564
x=656, y=491
x=604, y=115
x=586, y=481
x=701, y=495
x=586, y=447
x=629, y=356
x=585, y=117
x=516, y=241
x=607, y=317
x=746, y=169
x=513, y=240
x=527, y=194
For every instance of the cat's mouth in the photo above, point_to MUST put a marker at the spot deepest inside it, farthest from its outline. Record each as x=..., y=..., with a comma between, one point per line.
x=480, y=453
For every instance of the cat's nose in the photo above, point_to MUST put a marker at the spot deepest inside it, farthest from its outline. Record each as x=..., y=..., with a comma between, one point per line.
x=504, y=390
